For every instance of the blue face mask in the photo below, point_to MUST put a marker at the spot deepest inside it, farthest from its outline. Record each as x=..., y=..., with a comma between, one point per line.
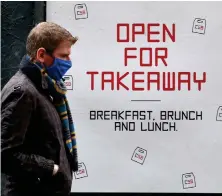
x=59, y=68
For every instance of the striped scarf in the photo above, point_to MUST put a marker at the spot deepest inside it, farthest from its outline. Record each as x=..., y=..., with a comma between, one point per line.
x=58, y=92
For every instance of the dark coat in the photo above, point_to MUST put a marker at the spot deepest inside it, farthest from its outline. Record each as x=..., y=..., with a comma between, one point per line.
x=31, y=138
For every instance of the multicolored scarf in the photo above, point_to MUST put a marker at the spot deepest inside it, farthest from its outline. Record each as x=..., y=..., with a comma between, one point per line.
x=58, y=92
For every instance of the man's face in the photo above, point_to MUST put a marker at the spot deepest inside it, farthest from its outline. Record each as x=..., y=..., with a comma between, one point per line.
x=63, y=51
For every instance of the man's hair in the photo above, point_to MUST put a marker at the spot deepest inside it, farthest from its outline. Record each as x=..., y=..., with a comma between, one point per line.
x=47, y=35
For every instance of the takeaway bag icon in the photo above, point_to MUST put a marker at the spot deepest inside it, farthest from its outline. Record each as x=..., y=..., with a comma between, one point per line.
x=139, y=155
x=82, y=172
x=219, y=114
x=199, y=26
x=68, y=82
x=80, y=11
x=188, y=180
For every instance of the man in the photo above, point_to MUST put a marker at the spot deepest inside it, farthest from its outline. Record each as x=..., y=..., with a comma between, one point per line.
x=38, y=143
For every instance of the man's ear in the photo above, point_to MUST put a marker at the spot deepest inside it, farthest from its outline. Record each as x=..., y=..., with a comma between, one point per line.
x=40, y=55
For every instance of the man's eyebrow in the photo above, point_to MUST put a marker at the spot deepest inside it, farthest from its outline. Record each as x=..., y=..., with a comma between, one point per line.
x=65, y=54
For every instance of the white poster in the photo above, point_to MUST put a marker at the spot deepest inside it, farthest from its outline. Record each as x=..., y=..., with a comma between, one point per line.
x=145, y=92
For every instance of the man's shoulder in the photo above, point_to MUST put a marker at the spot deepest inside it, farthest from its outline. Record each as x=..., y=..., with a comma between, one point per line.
x=18, y=84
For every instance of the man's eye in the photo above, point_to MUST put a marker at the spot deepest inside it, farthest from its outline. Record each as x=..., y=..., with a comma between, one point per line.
x=64, y=56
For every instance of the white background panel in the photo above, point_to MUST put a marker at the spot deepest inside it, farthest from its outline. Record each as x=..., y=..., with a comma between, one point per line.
x=195, y=147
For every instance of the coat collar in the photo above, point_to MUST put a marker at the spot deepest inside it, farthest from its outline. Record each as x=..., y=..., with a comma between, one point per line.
x=33, y=73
